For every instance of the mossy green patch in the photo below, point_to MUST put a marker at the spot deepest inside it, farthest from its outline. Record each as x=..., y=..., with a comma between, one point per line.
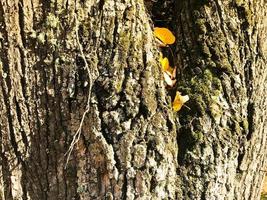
x=245, y=124
x=201, y=90
x=52, y=21
x=197, y=136
x=263, y=196
x=200, y=24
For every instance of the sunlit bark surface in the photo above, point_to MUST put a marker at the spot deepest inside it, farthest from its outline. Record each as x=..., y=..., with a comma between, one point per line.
x=132, y=144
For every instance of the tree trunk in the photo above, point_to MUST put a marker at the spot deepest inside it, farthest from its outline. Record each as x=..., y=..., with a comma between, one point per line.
x=222, y=139
x=56, y=56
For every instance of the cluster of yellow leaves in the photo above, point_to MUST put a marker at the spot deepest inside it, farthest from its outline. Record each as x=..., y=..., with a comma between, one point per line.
x=179, y=101
x=165, y=37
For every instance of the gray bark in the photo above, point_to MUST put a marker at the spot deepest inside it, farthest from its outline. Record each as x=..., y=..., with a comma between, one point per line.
x=132, y=146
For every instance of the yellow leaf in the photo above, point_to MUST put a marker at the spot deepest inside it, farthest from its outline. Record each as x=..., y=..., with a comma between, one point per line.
x=165, y=64
x=179, y=101
x=164, y=35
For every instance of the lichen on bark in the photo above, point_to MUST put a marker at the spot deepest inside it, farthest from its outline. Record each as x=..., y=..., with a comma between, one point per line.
x=132, y=146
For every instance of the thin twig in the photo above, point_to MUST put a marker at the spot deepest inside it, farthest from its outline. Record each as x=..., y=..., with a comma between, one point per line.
x=77, y=135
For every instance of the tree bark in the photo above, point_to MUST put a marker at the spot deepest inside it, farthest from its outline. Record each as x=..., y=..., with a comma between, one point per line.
x=222, y=139
x=56, y=54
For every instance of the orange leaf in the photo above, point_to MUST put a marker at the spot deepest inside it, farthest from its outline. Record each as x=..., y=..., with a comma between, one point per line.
x=164, y=35
x=179, y=101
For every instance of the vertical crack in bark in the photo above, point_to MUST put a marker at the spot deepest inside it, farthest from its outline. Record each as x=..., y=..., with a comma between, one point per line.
x=6, y=177
x=46, y=131
x=115, y=33
x=10, y=125
x=124, y=187
x=185, y=33
x=46, y=7
x=37, y=140
x=101, y=5
x=21, y=22
x=248, y=72
x=250, y=107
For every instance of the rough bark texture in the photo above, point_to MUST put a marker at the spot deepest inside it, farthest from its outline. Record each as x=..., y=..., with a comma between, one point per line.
x=222, y=139
x=132, y=145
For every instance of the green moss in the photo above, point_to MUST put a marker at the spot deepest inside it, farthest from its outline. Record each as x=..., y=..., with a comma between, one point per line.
x=201, y=86
x=203, y=91
x=198, y=136
x=217, y=84
x=205, y=50
x=245, y=124
x=118, y=85
x=200, y=23
x=124, y=39
x=82, y=189
x=52, y=21
x=239, y=2
x=199, y=103
x=208, y=75
x=263, y=196
x=224, y=64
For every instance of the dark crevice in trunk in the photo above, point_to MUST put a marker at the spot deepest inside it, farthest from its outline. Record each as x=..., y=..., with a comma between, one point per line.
x=124, y=188
x=101, y=4
x=24, y=187
x=115, y=38
x=248, y=74
x=104, y=128
x=21, y=23
x=37, y=140
x=6, y=176
x=187, y=53
x=46, y=133
x=242, y=16
x=10, y=125
x=57, y=127
x=162, y=13
x=250, y=117
x=46, y=7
